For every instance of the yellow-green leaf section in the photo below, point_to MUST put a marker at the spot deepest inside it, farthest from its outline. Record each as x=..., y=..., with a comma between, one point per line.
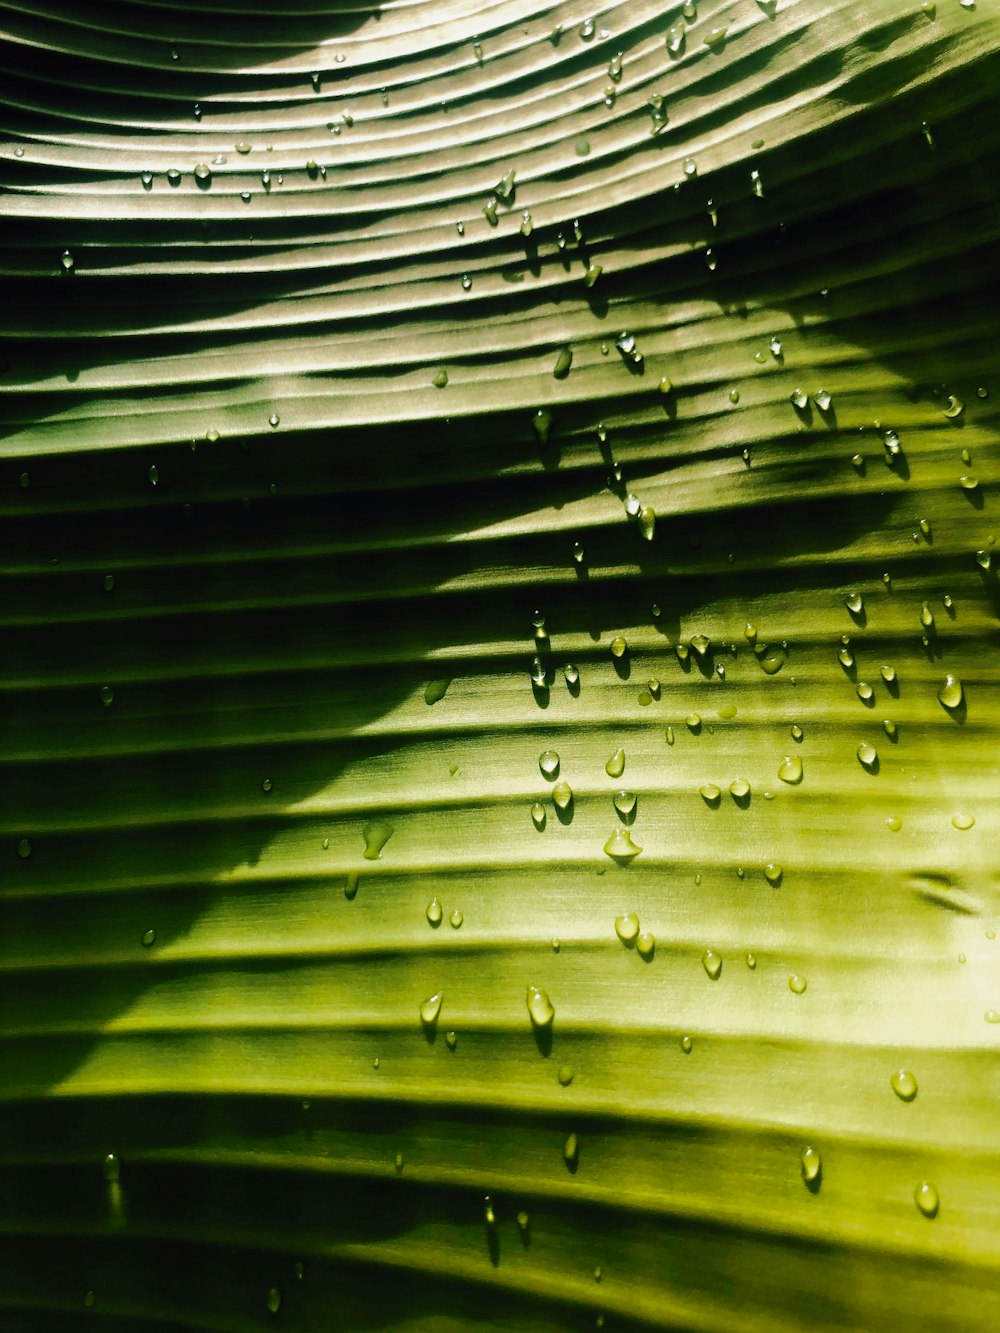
x=499, y=666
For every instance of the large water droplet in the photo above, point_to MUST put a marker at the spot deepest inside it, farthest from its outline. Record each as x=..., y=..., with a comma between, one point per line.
x=624, y=802
x=571, y=1151
x=538, y=815
x=790, y=769
x=927, y=1200
x=273, y=1301
x=430, y=1009
x=562, y=795
x=962, y=821
x=542, y=423
x=675, y=39
x=376, y=836
x=456, y=919
x=773, y=873
x=712, y=963
x=627, y=927
x=548, y=762
x=854, y=603
x=615, y=766
x=434, y=912
x=739, y=788
x=951, y=693
x=111, y=1166
x=796, y=983
x=710, y=793
x=903, y=1084
x=867, y=756
x=620, y=846
x=541, y=1010
x=812, y=1166
x=715, y=38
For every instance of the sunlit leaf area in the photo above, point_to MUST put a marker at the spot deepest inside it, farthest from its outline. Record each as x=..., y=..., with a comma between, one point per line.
x=499, y=666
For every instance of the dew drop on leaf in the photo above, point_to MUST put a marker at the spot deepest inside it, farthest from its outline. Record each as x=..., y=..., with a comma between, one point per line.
x=376, y=836
x=540, y=1008
x=712, y=963
x=434, y=912
x=812, y=1165
x=627, y=927
x=926, y=1199
x=951, y=693
x=790, y=769
x=903, y=1084
x=796, y=983
x=430, y=1009
x=620, y=846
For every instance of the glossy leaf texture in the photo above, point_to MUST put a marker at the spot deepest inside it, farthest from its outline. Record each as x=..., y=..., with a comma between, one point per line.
x=499, y=666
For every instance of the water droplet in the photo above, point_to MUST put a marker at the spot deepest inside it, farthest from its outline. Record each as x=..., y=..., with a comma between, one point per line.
x=587, y=29
x=968, y=483
x=710, y=793
x=627, y=927
x=624, y=802
x=542, y=423
x=111, y=1166
x=734, y=395
x=675, y=39
x=430, y=1009
x=992, y=1016
x=274, y=421
x=435, y=690
x=790, y=769
x=456, y=919
x=351, y=886
x=710, y=260
x=548, y=762
x=107, y=696
x=615, y=766
x=658, y=111
x=865, y=691
x=440, y=380
x=951, y=693
x=149, y=938
x=751, y=962
x=890, y=728
x=846, y=658
x=926, y=616
x=796, y=984
x=715, y=39
x=954, y=408
x=727, y=712
x=571, y=674
x=147, y=180
x=669, y=735
x=854, y=603
x=796, y=731
x=693, y=721
x=571, y=1151
x=274, y=1300
x=376, y=836
x=267, y=785
x=926, y=1199
x=538, y=815
x=615, y=67
x=618, y=647
x=712, y=964
x=893, y=823
x=563, y=363
x=526, y=225
x=962, y=822
x=538, y=672
x=773, y=874
x=434, y=912
x=812, y=1166
x=399, y=1161
x=173, y=176
x=620, y=846
x=739, y=788
x=562, y=795
x=466, y=281
x=490, y=211
x=822, y=400
x=203, y=172
x=984, y=559
x=903, y=1084
x=566, y=1075
x=799, y=398
x=541, y=1010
